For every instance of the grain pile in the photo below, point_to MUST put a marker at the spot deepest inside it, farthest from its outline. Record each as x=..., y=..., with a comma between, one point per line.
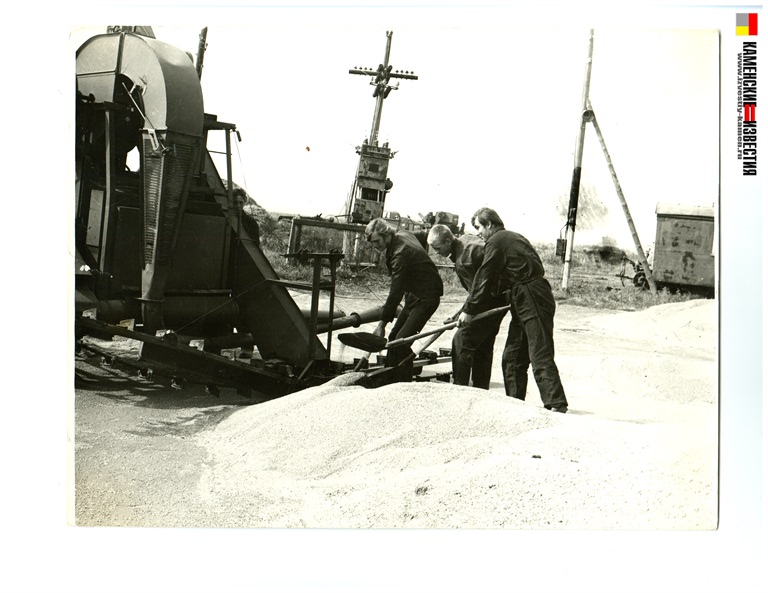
x=636, y=450
x=690, y=324
x=434, y=455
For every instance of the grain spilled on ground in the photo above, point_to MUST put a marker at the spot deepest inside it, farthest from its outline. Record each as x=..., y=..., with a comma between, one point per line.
x=436, y=455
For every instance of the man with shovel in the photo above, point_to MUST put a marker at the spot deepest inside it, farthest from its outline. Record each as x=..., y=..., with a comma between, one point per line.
x=472, y=345
x=511, y=266
x=412, y=271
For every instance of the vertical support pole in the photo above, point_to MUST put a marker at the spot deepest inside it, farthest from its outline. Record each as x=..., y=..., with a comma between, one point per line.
x=294, y=239
x=573, y=202
x=230, y=205
x=380, y=99
x=332, y=263
x=230, y=183
x=625, y=207
x=316, y=269
x=348, y=245
x=83, y=201
x=358, y=250
x=109, y=142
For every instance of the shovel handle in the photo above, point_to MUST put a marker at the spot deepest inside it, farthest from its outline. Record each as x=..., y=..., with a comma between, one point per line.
x=409, y=339
x=413, y=355
x=447, y=326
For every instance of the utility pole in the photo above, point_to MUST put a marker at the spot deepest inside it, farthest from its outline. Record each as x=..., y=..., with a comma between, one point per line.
x=573, y=202
x=366, y=198
x=380, y=79
x=588, y=115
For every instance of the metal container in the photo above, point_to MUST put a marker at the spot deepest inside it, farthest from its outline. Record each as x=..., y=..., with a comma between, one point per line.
x=684, y=249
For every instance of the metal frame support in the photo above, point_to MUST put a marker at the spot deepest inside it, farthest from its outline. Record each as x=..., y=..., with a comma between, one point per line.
x=315, y=288
x=106, y=218
x=294, y=239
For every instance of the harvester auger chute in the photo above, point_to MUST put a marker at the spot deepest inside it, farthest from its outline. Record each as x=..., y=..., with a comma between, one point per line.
x=163, y=245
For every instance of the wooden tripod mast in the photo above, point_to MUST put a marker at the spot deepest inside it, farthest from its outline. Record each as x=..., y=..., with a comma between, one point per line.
x=588, y=115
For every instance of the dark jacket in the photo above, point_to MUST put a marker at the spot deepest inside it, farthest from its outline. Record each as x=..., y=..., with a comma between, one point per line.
x=412, y=270
x=467, y=254
x=509, y=260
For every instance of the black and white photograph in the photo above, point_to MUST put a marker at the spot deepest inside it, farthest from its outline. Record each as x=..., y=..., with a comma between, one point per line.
x=415, y=287
x=233, y=361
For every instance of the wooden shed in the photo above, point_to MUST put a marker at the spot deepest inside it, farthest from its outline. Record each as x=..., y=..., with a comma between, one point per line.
x=684, y=249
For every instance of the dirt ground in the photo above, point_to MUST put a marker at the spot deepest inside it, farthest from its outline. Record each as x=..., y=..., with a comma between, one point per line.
x=637, y=449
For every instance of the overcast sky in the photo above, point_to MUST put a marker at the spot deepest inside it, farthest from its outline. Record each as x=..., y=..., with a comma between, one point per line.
x=492, y=120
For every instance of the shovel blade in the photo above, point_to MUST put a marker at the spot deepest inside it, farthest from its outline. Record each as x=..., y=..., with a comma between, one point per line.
x=386, y=376
x=363, y=341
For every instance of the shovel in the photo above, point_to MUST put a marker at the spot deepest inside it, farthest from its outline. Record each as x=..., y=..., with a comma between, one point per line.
x=373, y=343
x=387, y=375
x=408, y=358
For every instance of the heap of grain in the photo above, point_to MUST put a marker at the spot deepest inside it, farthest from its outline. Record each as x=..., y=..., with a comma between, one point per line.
x=434, y=455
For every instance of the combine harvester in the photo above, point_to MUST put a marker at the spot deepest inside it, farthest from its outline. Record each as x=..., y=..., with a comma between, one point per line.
x=165, y=254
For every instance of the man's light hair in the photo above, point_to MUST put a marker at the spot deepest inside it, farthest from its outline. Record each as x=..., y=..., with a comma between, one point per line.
x=378, y=225
x=439, y=232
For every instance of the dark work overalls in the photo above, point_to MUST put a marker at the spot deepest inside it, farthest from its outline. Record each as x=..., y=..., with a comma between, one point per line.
x=472, y=346
x=413, y=273
x=512, y=266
